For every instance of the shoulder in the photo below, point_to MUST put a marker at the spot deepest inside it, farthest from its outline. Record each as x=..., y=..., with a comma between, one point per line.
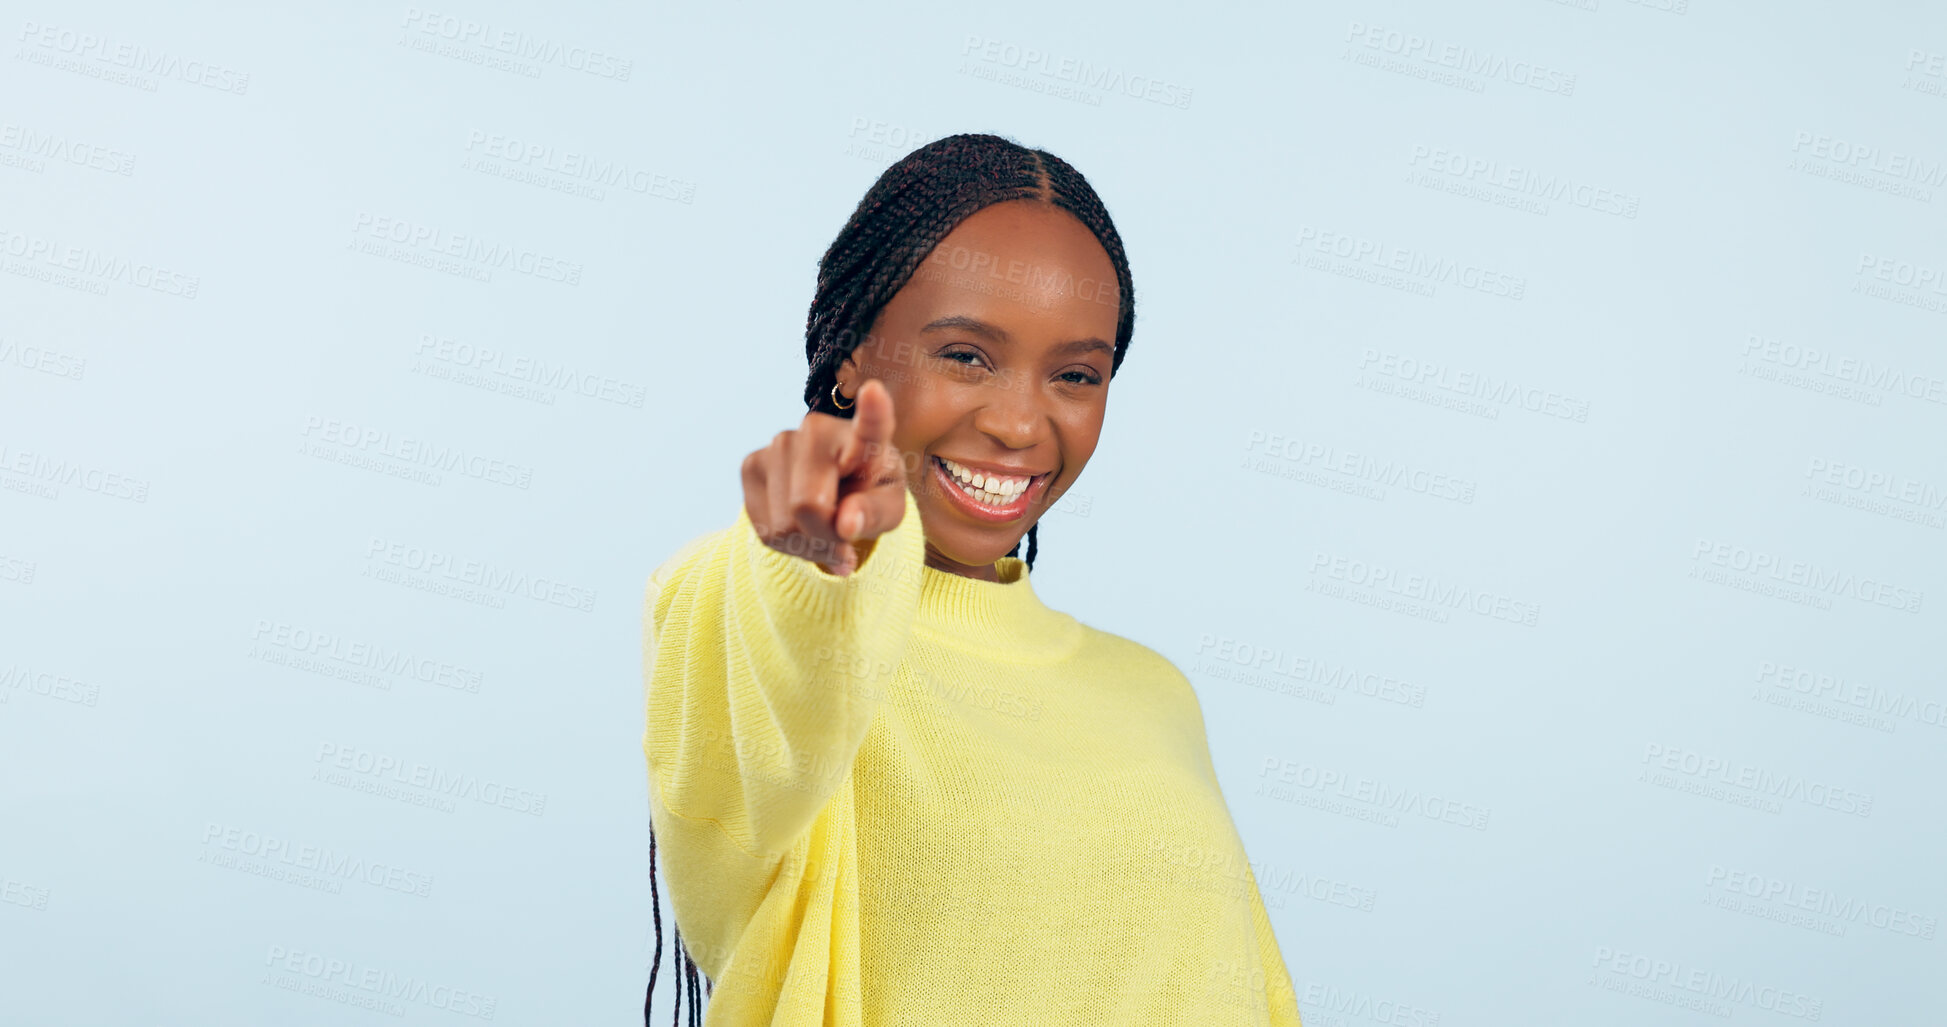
x=1121, y=647
x=677, y=565
x=1140, y=666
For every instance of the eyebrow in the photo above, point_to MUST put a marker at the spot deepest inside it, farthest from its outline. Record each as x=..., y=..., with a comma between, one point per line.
x=977, y=326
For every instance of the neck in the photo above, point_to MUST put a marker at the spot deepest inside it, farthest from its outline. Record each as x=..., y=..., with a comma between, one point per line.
x=998, y=617
x=979, y=572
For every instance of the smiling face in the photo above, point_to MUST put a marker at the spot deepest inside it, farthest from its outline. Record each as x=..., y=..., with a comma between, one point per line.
x=997, y=356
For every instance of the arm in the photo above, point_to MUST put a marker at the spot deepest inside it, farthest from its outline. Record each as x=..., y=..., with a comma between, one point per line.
x=767, y=646
x=1280, y=997
x=763, y=671
x=1278, y=992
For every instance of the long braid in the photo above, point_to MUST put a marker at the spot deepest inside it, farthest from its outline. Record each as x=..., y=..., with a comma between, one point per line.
x=696, y=994
x=902, y=217
x=1032, y=531
x=682, y=975
x=686, y=970
x=656, y=908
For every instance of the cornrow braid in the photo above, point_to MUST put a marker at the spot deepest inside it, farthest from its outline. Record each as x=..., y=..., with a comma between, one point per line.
x=912, y=206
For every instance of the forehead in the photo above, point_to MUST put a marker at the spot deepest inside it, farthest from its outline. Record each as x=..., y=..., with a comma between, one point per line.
x=1021, y=261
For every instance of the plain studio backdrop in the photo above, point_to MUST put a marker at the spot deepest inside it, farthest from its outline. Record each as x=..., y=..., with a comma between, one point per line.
x=1530, y=448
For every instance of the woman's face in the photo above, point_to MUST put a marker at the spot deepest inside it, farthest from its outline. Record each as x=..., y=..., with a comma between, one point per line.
x=997, y=355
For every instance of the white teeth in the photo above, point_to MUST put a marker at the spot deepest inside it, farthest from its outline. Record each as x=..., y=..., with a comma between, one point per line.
x=993, y=490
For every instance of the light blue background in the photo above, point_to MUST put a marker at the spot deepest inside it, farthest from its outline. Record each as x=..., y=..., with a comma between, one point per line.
x=146, y=729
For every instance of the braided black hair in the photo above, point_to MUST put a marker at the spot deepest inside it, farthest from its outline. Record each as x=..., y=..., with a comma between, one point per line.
x=905, y=214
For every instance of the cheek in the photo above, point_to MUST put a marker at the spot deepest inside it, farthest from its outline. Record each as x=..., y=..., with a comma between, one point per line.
x=1080, y=431
x=912, y=454
x=914, y=437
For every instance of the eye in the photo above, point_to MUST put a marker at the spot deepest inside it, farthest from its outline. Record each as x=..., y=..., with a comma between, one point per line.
x=1081, y=377
x=973, y=357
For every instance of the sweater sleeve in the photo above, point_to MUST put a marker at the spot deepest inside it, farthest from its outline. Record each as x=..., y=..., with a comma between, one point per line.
x=762, y=672
x=1279, y=994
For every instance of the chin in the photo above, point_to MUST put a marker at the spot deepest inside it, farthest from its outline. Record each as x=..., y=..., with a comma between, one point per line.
x=964, y=544
x=973, y=552
x=996, y=555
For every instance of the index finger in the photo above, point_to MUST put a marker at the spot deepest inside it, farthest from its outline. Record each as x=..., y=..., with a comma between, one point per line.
x=869, y=514
x=871, y=426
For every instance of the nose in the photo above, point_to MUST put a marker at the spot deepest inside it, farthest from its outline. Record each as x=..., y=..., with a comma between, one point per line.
x=1012, y=413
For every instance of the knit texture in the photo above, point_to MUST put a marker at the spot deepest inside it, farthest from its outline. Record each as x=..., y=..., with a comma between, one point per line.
x=912, y=797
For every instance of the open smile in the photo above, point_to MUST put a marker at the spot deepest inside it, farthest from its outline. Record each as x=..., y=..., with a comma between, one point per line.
x=989, y=494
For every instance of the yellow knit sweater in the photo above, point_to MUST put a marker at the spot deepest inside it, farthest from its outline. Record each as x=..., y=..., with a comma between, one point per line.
x=911, y=797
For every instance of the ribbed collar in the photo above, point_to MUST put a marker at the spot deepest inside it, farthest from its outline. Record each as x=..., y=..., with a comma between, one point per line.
x=1002, y=619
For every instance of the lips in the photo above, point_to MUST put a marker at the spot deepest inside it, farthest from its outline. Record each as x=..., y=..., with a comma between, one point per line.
x=990, y=513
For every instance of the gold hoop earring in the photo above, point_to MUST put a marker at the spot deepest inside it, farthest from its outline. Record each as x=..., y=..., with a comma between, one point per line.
x=836, y=403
